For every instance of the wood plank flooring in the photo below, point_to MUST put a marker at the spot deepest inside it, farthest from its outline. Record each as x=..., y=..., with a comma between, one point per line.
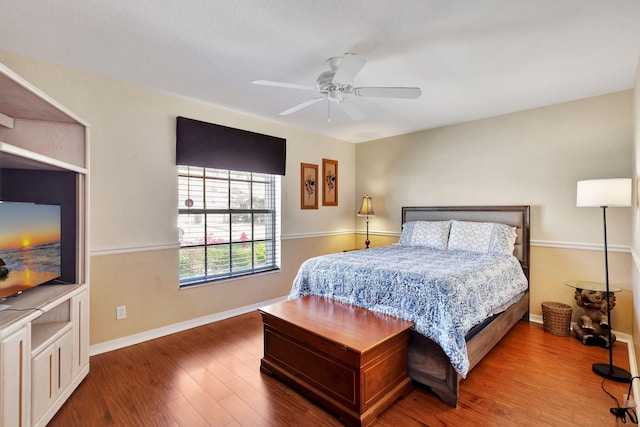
x=210, y=376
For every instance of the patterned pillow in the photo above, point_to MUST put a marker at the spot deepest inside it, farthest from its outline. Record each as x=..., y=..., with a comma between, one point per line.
x=431, y=234
x=483, y=237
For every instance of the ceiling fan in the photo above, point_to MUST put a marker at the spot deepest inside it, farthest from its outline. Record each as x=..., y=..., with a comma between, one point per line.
x=336, y=85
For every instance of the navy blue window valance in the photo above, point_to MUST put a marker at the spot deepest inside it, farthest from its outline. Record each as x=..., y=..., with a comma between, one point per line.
x=214, y=146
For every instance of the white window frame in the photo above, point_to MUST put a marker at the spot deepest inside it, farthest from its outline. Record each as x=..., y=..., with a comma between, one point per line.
x=195, y=267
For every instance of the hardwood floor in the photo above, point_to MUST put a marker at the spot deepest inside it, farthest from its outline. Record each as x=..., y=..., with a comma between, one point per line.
x=210, y=376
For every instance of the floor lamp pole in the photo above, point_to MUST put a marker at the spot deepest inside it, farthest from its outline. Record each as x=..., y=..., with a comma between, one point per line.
x=608, y=370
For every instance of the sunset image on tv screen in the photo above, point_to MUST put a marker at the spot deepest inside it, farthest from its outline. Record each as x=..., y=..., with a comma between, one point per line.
x=29, y=245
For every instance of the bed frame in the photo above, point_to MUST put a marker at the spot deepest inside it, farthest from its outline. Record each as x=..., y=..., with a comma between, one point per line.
x=428, y=365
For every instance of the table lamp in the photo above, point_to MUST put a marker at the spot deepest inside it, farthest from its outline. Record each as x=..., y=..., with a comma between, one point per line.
x=366, y=210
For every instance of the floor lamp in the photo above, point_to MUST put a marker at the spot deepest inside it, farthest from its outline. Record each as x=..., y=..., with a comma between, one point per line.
x=366, y=210
x=606, y=193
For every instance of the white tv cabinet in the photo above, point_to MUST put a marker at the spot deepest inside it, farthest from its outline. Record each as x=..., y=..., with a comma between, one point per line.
x=44, y=335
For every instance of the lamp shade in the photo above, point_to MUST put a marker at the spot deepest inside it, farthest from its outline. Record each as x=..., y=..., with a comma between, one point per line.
x=367, y=207
x=613, y=192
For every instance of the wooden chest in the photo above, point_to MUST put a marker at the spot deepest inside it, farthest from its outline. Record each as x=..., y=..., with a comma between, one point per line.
x=350, y=360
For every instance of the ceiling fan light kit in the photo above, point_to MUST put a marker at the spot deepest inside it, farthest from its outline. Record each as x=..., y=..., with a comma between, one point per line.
x=336, y=85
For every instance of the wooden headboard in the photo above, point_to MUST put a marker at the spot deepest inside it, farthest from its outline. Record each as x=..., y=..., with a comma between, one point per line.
x=516, y=216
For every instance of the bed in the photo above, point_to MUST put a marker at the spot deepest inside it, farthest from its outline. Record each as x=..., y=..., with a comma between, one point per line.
x=454, y=329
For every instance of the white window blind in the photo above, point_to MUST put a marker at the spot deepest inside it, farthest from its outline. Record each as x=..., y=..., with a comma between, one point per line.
x=228, y=223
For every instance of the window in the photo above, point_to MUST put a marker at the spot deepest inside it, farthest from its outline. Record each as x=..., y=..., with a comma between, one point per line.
x=228, y=223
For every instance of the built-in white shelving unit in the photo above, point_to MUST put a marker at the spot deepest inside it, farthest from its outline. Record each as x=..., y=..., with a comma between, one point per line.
x=44, y=337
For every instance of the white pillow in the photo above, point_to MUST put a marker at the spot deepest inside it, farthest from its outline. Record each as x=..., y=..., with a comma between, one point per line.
x=482, y=237
x=430, y=234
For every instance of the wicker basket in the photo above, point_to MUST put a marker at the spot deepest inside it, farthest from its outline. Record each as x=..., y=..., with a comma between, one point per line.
x=556, y=318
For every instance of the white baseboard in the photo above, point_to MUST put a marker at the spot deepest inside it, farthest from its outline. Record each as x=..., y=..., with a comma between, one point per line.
x=177, y=327
x=535, y=318
x=621, y=336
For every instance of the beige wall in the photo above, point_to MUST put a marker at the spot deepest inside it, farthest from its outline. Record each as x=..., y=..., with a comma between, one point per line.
x=635, y=246
x=532, y=158
x=133, y=201
x=146, y=282
x=553, y=267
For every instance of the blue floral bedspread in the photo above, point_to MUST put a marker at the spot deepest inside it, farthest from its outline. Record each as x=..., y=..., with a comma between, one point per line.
x=445, y=293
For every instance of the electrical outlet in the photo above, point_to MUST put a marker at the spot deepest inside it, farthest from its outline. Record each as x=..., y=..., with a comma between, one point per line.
x=121, y=312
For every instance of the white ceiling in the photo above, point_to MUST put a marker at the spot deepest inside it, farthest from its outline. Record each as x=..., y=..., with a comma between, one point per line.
x=471, y=58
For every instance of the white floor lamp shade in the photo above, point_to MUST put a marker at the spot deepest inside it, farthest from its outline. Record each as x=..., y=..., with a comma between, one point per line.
x=605, y=193
x=614, y=192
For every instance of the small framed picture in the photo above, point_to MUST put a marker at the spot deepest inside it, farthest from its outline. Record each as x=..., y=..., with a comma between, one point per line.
x=329, y=182
x=308, y=186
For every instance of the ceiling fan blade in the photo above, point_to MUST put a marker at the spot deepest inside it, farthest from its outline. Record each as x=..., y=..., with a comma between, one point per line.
x=388, y=92
x=300, y=106
x=281, y=84
x=350, y=65
x=352, y=111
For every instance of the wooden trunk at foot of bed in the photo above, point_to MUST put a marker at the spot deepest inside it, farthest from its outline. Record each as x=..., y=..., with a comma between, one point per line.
x=429, y=366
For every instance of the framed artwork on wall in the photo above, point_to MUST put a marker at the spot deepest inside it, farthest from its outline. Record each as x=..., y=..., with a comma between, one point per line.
x=308, y=186
x=329, y=182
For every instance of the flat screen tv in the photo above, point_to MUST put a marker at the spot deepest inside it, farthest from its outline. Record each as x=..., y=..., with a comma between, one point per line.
x=29, y=246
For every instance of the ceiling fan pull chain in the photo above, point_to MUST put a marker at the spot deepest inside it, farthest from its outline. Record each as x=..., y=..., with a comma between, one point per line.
x=328, y=111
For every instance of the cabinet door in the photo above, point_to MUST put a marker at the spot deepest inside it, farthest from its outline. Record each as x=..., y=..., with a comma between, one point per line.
x=64, y=374
x=14, y=351
x=50, y=375
x=80, y=320
x=42, y=369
